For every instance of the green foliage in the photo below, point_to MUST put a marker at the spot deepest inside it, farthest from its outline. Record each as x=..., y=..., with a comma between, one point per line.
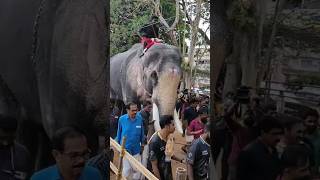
x=127, y=17
x=242, y=17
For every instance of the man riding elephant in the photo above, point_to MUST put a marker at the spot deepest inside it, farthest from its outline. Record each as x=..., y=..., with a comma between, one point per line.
x=154, y=76
x=150, y=34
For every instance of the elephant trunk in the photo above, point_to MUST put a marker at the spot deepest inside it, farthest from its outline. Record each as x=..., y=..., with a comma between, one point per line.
x=165, y=96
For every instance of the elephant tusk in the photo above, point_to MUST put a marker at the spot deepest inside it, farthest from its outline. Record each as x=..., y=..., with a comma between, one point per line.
x=177, y=122
x=156, y=118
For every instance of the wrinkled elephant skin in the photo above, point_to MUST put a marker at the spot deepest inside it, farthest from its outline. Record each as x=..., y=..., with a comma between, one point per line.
x=65, y=84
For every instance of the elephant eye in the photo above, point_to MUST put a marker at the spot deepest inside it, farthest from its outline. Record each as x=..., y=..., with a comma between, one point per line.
x=154, y=78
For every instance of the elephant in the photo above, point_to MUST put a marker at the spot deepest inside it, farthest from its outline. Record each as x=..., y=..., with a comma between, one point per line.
x=53, y=66
x=154, y=76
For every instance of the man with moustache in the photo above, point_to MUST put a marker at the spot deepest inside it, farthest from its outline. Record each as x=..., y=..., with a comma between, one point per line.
x=196, y=127
x=70, y=150
x=14, y=157
x=198, y=157
x=131, y=126
x=259, y=159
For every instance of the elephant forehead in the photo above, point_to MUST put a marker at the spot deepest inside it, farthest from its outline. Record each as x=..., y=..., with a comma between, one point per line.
x=158, y=56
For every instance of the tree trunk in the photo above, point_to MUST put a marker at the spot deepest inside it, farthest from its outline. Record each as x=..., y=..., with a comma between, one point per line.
x=248, y=60
x=232, y=78
x=194, y=33
x=188, y=80
x=233, y=69
x=219, y=32
x=261, y=11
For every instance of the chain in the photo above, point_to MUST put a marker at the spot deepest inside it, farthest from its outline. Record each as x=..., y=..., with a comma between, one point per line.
x=35, y=32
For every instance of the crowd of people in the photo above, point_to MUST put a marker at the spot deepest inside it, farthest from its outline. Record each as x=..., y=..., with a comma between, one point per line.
x=152, y=148
x=253, y=140
x=262, y=144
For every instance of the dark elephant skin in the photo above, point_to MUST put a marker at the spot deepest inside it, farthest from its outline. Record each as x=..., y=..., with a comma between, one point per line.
x=135, y=79
x=65, y=83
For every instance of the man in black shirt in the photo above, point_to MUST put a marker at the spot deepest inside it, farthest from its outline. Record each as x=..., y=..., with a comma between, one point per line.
x=147, y=125
x=158, y=164
x=145, y=114
x=198, y=157
x=259, y=160
x=14, y=157
x=191, y=113
x=114, y=118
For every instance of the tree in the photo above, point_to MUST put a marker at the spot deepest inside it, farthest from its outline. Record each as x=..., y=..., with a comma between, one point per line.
x=127, y=17
x=179, y=19
x=195, y=10
x=170, y=29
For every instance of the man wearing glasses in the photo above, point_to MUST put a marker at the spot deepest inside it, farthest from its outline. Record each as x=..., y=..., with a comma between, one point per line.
x=70, y=150
x=131, y=126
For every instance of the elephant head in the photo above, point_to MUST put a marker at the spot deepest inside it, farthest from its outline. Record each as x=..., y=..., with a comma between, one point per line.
x=161, y=67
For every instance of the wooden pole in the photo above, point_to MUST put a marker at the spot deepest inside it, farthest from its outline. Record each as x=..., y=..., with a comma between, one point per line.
x=121, y=158
x=135, y=163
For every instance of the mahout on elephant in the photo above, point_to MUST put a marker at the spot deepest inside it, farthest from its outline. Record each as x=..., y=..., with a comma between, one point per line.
x=155, y=76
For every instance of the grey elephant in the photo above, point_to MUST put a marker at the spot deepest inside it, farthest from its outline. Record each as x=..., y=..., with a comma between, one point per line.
x=53, y=67
x=154, y=76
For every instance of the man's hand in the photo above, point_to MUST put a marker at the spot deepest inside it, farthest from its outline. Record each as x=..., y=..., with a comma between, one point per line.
x=183, y=161
x=196, y=132
x=199, y=131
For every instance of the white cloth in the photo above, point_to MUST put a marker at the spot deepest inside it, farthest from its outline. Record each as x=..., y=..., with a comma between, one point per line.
x=129, y=171
x=189, y=139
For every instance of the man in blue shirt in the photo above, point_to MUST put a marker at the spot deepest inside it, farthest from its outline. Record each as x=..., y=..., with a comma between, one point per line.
x=70, y=150
x=131, y=126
